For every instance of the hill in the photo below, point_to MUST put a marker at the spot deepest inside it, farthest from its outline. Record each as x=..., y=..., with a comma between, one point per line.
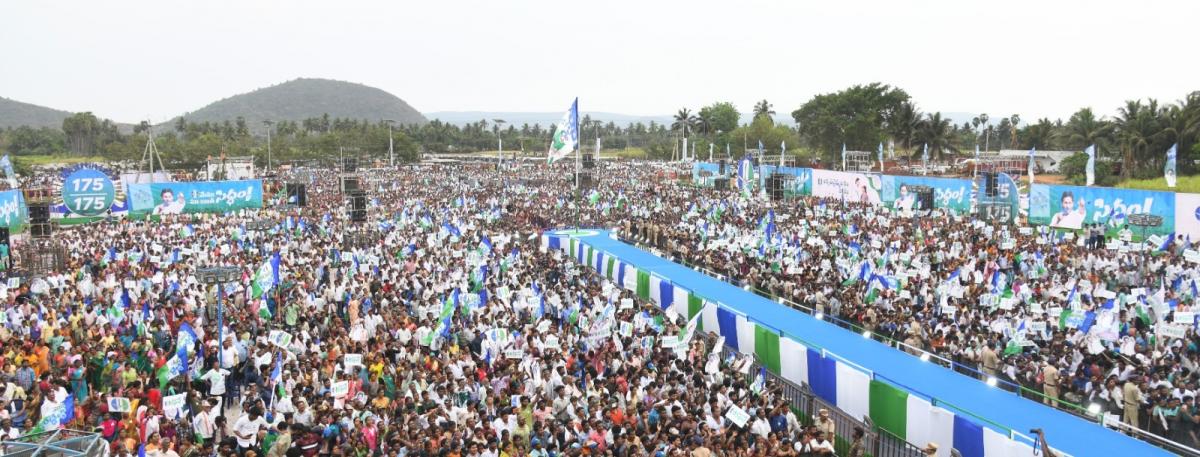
x=16, y=114
x=304, y=98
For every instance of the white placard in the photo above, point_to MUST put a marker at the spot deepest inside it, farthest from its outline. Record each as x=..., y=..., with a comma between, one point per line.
x=514, y=354
x=737, y=415
x=1069, y=236
x=340, y=389
x=626, y=303
x=1025, y=230
x=670, y=341
x=1037, y=326
x=1184, y=317
x=1008, y=245
x=174, y=403
x=626, y=329
x=350, y=360
x=1171, y=331
x=280, y=338
x=119, y=405
x=551, y=342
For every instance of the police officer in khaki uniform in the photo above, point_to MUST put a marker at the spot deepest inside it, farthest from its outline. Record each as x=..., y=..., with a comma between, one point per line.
x=989, y=359
x=1133, y=397
x=1050, y=383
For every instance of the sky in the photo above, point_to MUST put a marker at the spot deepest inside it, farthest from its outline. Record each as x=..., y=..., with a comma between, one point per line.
x=135, y=60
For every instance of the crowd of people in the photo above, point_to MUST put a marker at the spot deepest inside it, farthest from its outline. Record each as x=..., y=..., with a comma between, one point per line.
x=1078, y=322
x=438, y=327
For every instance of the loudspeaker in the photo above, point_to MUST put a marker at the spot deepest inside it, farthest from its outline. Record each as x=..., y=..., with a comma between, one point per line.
x=39, y=212
x=588, y=161
x=586, y=179
x=721, y=166
x=4, y=236
x=775, y=186
x=40, y=230
x=358, y=207
x=296, y=194
x=924, y=197
x=349, y=185
x=990, y=184
x=349, y=165
x=721, y=183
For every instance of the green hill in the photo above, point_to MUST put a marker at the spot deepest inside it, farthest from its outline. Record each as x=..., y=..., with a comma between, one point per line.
x=16, y=114
x=304, y=98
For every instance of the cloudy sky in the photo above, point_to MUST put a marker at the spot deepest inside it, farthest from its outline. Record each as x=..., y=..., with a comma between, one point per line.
x=132, y=60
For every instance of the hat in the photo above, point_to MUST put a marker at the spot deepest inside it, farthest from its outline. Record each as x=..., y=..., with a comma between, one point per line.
x=823, y=412
x=931, y=448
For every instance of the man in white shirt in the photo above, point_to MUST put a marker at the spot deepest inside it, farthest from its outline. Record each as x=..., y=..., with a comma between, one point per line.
x=820, y=445
x=246, y=430
x=761, y=426
x=216, y=385
x=205, y=422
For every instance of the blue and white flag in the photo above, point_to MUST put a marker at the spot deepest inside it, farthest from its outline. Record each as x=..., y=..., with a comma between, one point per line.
x=9, y=174
x=1032, y=151
x=1091, y=164
x=880, y=154
x=925, y=160
x=1168, y=168
x=566, y=134
x=843, y=156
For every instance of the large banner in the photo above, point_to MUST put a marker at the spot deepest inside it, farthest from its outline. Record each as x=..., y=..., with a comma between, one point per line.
x=703, y=173
x=800, y=183
x=953, y=194
x=1070, y=207
x=195, y=197
x=853, y=187
x=13, y=212
x=1187, y=216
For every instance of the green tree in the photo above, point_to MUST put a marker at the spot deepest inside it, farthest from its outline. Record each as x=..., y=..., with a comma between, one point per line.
x=856, y=117
x=1040, y=135
x=1084, y=129
x=82, y=130
x=685, y=122
x=904, y=124
x=936, y=132
x=723, y=116
x=1074, y=168
x=764, y=109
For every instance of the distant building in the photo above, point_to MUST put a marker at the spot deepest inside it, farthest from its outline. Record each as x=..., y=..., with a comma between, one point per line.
x=1047, y=161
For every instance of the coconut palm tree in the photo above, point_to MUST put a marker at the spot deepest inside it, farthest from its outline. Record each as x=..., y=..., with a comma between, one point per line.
x=1084, y=129
x=763, y=108
x=936, y=132
x=685, y=122
x=1015, y=121
x=1136, y=126
x=904, y=124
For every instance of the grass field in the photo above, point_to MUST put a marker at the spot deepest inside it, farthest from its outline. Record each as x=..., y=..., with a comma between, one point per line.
x=33, y=160
x=1187, y=184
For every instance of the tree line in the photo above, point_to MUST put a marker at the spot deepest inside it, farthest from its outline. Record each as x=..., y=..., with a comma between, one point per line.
x=860, y=117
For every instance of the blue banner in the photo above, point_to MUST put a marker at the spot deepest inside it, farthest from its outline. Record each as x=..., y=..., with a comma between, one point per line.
x=703, y=173
x=13, y=212
x=194, y=197
x=953, y=194
x=1071, y=207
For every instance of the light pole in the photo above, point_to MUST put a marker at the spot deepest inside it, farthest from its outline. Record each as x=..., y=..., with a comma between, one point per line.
x=269, y=124
x=391, y=152
x=219, y=276
x=498, y=124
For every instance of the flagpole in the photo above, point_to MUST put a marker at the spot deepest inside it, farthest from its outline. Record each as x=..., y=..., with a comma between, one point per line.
x=578, y=166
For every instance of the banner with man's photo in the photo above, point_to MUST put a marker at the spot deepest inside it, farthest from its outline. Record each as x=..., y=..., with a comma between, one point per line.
x=194, y=197
x=851, y=187
x=1073, y=207
x=952, y=194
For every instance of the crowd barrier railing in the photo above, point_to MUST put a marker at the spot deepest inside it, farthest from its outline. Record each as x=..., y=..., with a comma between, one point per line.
x=927, y=356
